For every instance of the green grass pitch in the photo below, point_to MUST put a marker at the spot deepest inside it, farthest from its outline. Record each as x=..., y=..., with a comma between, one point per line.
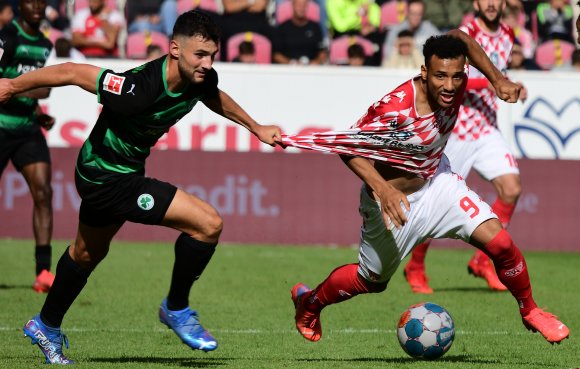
x=244, y=299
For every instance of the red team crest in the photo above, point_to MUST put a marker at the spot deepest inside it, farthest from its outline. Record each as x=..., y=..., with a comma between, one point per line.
x=113, y=83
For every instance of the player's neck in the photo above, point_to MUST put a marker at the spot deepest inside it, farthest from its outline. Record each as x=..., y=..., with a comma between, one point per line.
x=174, y=81
x=423, y=105
x=490, y=27
x=29, y=29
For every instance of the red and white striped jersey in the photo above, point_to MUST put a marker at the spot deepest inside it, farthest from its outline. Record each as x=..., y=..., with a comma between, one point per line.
x=478, y=113
x=391, y=131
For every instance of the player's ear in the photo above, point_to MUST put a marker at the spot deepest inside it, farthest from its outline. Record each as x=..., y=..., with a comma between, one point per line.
x=174, y=48
x=423, y=73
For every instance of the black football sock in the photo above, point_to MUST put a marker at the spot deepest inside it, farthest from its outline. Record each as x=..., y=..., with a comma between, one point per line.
x=42, y=255
x=68, y=284
x=191, y=258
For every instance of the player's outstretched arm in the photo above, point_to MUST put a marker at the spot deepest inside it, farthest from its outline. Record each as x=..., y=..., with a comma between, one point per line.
x=81, y=75
x=505, y=89
x=225, y=106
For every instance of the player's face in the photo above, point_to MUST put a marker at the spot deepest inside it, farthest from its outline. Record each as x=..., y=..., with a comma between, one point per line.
x=443, y=78
x=489, y=10
x=195, y=57
x=32, y=11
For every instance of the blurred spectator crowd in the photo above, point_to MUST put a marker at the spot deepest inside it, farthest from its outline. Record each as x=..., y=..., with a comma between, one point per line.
x=388, y=33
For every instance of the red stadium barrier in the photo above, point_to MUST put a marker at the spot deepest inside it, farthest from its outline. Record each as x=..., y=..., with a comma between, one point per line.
x=281, y=198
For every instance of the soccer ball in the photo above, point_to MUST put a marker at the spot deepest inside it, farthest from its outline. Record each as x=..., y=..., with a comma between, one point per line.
x=426, y=331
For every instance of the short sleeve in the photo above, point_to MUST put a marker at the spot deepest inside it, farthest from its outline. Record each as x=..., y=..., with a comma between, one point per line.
x=125, y=93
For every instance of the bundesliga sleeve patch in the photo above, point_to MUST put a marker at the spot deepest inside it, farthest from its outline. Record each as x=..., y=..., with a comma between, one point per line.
x=113, y=83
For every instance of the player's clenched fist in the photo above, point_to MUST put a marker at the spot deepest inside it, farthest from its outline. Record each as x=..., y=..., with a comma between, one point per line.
x=507, y=90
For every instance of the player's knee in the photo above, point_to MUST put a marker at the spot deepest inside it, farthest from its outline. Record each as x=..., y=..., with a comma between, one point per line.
x=376, y=287
x=86, y=259
x=500, y=246
x=213, y=226
x=42, y=195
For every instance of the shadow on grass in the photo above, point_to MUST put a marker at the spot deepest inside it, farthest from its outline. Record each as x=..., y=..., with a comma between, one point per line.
x=185, y=362
x=483, y=289
x=15, y=287
x=407, y=360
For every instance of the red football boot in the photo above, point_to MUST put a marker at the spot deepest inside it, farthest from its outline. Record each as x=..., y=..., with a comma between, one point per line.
x=307, y=322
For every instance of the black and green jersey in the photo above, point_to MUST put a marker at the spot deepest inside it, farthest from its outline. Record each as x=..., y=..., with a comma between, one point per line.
x=137, y=110
x=21, y=53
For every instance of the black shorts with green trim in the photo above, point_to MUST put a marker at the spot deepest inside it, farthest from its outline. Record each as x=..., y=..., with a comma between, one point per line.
x=22, y=149
x=124, y=197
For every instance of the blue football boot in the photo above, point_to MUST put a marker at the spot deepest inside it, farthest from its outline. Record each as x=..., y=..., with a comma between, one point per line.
x=185, y=324
x=48, y=339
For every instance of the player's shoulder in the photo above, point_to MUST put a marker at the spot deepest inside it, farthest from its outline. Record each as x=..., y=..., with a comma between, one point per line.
x=9, y=31
x=402, y=96
x=507, y=30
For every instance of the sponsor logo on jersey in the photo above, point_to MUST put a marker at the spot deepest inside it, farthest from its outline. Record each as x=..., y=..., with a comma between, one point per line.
x=113, y=83
x=146, y=201
x=131, y=90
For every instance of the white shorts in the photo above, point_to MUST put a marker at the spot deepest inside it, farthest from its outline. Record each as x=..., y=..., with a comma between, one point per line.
x=444, y=208
x=489, y=156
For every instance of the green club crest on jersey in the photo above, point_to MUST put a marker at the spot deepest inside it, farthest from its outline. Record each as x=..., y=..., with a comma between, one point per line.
x=145, y=201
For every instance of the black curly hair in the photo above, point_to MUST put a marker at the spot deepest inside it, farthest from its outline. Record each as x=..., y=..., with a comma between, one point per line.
x=444, y=47
x=196, y=23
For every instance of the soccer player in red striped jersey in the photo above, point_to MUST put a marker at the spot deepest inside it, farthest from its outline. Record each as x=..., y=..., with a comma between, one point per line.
x=410, y=192
x=477, y=143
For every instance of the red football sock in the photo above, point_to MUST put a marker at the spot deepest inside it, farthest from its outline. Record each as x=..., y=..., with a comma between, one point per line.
x=503, y=211
x=511, y=269
x=418, y=256
x=342, y=284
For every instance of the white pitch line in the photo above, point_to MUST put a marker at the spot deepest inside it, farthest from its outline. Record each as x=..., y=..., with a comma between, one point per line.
x=259, y=331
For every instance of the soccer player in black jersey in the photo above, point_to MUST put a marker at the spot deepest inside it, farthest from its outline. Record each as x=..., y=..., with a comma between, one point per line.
x=24, y=48
x=139, y=106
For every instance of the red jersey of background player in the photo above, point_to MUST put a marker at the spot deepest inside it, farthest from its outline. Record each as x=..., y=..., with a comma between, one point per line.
x=478, y=113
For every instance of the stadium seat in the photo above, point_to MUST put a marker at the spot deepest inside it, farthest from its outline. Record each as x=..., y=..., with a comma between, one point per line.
x=81, y=4
x=284, y=11
x=339, y=48
x=554, y=53
x=186, y=5
x=137, y=43
x=262, y=45
x=393, y=12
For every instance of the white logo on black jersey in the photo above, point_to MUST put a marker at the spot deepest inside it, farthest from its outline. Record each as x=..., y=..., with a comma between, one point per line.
x=131, y=89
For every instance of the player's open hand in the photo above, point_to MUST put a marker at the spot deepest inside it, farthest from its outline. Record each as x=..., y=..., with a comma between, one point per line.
x=392, y=202
x=507, y=90
x=269, y=134
x=5, y=89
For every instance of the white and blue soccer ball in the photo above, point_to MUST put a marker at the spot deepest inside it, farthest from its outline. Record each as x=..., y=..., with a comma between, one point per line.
x=426, y=331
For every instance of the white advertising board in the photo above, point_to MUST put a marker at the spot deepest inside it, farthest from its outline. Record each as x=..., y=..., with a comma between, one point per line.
x=299, y=99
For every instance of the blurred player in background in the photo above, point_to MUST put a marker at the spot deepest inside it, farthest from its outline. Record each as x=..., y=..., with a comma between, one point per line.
x=139, y=106
x=23, y=48
x=411, y=193
x=477, y=143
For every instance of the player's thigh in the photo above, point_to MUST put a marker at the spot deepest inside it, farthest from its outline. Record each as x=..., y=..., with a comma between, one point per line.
x=382, y=248
x=188, y=213
x=454, y=210
x=32, y=149
x=494, y=157
x=38, y=176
